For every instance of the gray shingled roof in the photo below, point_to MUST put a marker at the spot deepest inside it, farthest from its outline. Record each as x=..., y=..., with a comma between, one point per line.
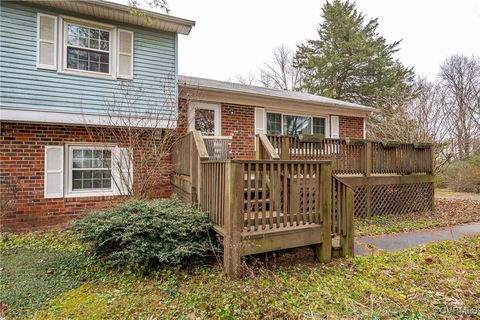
x=224, y=86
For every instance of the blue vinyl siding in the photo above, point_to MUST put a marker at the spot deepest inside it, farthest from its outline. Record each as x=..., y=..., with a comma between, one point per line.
x=23, y=86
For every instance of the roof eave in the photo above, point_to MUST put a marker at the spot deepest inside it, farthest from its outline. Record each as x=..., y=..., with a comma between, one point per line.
x=266, y=96
x=175, y=24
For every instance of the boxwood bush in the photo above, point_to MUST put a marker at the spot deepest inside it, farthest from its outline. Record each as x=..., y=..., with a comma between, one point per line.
x=144, y=235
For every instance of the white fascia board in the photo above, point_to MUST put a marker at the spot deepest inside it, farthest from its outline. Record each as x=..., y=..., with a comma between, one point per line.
x=52, y=117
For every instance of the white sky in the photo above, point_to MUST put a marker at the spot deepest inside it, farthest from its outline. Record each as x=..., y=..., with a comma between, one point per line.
x=234, y=37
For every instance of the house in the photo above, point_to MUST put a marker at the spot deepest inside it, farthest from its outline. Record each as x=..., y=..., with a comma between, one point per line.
x=67, y=66
x=242, y=111
x=273, y=169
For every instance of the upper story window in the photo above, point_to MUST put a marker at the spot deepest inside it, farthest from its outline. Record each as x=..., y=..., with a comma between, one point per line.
x=294, y=124
x=88, y=49
x=84, y=47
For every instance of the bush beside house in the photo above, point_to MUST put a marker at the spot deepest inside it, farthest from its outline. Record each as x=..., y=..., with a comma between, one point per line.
x=143, y=235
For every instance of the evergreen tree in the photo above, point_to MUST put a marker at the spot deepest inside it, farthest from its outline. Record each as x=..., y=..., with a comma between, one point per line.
x=350, y=60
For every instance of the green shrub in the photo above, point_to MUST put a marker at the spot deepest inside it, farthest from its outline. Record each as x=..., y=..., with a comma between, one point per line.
x=142, y=235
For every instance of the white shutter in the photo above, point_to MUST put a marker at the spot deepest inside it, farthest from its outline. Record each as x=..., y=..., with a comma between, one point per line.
x=259, y=120
x=53, y=180
x=46, y=41
x=125, y=54
x=123, y=170
x=334, y=127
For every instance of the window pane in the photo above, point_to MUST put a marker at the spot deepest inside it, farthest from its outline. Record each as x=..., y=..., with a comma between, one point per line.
x=205, y=121
x=94, y=44
x=104, y=35
x=293, y=125
x=319, y=126
x=82, y=59
x=83, y=42
x=106, y=183
x=91, y=179
x=274, y=123
x=94, y=34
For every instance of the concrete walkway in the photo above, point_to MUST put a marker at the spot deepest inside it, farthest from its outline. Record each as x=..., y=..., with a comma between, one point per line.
x=399, y=241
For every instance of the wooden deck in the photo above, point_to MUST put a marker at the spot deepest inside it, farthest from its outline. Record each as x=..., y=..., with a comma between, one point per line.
x=298, y=192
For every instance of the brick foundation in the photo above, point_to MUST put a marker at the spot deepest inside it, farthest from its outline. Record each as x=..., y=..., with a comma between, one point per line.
x=22, y=156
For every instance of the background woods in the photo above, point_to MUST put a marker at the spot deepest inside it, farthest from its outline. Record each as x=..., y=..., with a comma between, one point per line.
x=350, y=60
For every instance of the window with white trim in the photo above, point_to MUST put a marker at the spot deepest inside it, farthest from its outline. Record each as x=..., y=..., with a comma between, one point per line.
x=87, y=170
x=91, y=169
x=205, y=117
x=84, y=47
x=87, y=48
x=287, y=124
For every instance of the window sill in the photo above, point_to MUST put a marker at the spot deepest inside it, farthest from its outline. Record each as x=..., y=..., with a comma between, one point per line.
x=88, y=74
x=90, y=194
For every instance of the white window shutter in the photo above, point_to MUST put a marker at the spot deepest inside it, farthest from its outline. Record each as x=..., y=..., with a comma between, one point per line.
x=125, y=54
x=334, y=127
x=46, y=41
x=123, y=171
x=53, y=180
x=259, y=120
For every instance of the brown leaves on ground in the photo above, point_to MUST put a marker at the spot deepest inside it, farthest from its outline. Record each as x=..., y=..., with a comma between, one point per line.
x=447, y=212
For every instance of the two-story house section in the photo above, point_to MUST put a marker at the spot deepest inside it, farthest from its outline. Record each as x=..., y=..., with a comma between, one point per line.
x=65, y=65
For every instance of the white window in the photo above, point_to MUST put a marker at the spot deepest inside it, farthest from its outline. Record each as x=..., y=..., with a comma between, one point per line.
x=287, y=124
x=84, y=47
x=87, y=48
x=204, y=117
x=91, y=169
x=86, y=170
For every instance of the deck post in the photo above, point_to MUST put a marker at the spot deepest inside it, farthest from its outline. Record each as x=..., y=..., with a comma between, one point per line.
x=258, y=147
x=233, y=220
x=323, y=251
x=368, y=173
x=347, y=241
x=285, y=149
x=432, y=172
x=368, y=159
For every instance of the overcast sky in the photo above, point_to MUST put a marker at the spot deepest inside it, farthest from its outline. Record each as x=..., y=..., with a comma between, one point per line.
x=234, y=37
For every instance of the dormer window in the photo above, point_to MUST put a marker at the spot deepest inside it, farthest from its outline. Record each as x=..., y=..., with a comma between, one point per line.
x=88, y=49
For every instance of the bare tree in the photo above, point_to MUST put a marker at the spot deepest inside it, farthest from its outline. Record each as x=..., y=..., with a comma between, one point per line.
x=460, y=81
x=281, y=73
x=418, y=115
x=143, y=128
x=249, y=79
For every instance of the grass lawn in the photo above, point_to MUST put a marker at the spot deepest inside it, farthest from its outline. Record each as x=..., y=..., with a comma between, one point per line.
x=447, y=212
x=46, y=278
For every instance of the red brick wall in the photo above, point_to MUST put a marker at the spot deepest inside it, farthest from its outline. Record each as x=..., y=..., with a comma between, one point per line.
x=351, y=127
x=238, y=122
x=22, y=153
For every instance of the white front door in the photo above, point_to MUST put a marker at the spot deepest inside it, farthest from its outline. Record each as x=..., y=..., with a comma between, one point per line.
x=205, y=117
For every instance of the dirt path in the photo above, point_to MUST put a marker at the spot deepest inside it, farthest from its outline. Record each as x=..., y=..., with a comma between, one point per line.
x=451, y=195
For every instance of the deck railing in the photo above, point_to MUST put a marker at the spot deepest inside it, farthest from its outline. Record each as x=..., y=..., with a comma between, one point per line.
x=218, y=148
x=181, y=155
x=357, y=156
x=264, y=148
x=342, y=214
x=187, y=153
